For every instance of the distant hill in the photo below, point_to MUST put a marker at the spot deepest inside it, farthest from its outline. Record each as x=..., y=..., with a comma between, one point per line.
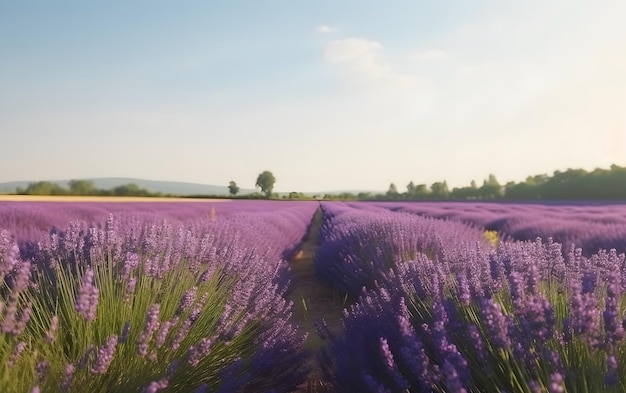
x=165, y=187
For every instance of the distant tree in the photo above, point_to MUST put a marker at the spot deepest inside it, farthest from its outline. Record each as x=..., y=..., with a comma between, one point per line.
x=410, y=190
x=297, y=195
x=421, y=191
x=233, y=188
x=265, y=181
x=130, y=189
x=45, y=188
x=393, y=191
x=440, y=190
x=491, y=188
x=82, y=187
x=464, y=193
x=363, y=195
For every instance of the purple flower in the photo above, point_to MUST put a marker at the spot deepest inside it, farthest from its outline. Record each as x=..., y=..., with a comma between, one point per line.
x=12, y=323
x=533, y=277
x=152, y=324
x=17, y=351
x=196, y=353
x=373, y=385
x=87, y=297
x=516, y=284
x=155, y=386
x=51, y=333
x=125, y=331
x=496, y=323
x=537, y=318
x=163, y=331
x=556, y=383
x=534, y=387
x=611, y=378
x=24, y=318
x=614, y=330
x=9, y=253
x=185, y=327
x=105, y=356
x=453, y=382
x=204, y=388
x=567, y=330
x=42, y=369
x=132, y=261
x=22, y=278
x=182, y=333
x=554, y=359
x=584, y=314
x=390, y=365
x=86, y=356
x=478, y=343
x=130, y=288
x=206, y=275
x=464, y=293
x=588, y=283
x=187, y=300
x=68, y=377
x=109, y=228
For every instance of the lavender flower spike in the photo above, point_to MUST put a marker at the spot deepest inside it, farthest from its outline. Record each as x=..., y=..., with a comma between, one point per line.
x=8, y=254
x=125, y=331
x=187, y=301
x=453, y=382
x=496, y=323
x=556, y=383
x=155, y=386
x=611, y=378
x=152, y=324
x=87, y=297
x=69, y=376
x=105, y=356
x=19, y=348
x=51, y=334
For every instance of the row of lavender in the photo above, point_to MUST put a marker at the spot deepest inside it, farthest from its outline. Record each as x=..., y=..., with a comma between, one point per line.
x=590, y=227
x=28, y=220
x=455, y=314
x=187, y=298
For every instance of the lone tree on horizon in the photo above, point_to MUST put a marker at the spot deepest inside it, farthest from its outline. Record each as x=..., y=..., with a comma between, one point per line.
x=233, y=188
x=265, y=182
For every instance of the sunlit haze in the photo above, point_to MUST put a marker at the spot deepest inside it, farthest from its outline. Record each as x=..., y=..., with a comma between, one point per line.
x=328, y=95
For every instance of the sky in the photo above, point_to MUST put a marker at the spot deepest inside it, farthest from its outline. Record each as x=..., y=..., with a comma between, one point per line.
x=327, y=95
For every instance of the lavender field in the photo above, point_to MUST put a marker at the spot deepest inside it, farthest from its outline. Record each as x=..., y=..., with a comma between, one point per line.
x=149, y=297
x=441, y=306
x=191, y=297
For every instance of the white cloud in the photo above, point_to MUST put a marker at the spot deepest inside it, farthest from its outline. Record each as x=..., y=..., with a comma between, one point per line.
x=362, y=59
x=325, y=29
x=430, y=54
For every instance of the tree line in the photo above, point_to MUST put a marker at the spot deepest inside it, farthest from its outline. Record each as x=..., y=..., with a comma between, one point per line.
x=572, y=184
x=84, y=188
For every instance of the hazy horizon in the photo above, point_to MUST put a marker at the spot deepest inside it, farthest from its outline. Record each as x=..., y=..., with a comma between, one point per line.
x=331, y=95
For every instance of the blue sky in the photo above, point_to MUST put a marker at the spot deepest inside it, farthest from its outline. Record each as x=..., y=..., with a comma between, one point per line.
x=328, y=95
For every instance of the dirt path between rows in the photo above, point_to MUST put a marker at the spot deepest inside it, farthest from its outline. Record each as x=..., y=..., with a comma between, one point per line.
x=313, y=301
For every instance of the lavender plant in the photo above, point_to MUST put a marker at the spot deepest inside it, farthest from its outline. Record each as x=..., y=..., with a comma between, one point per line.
x=590, y=227
x=524, y=317
x=136, y=305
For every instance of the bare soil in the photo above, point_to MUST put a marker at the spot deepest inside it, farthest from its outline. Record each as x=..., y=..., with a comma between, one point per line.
x=313, y=301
